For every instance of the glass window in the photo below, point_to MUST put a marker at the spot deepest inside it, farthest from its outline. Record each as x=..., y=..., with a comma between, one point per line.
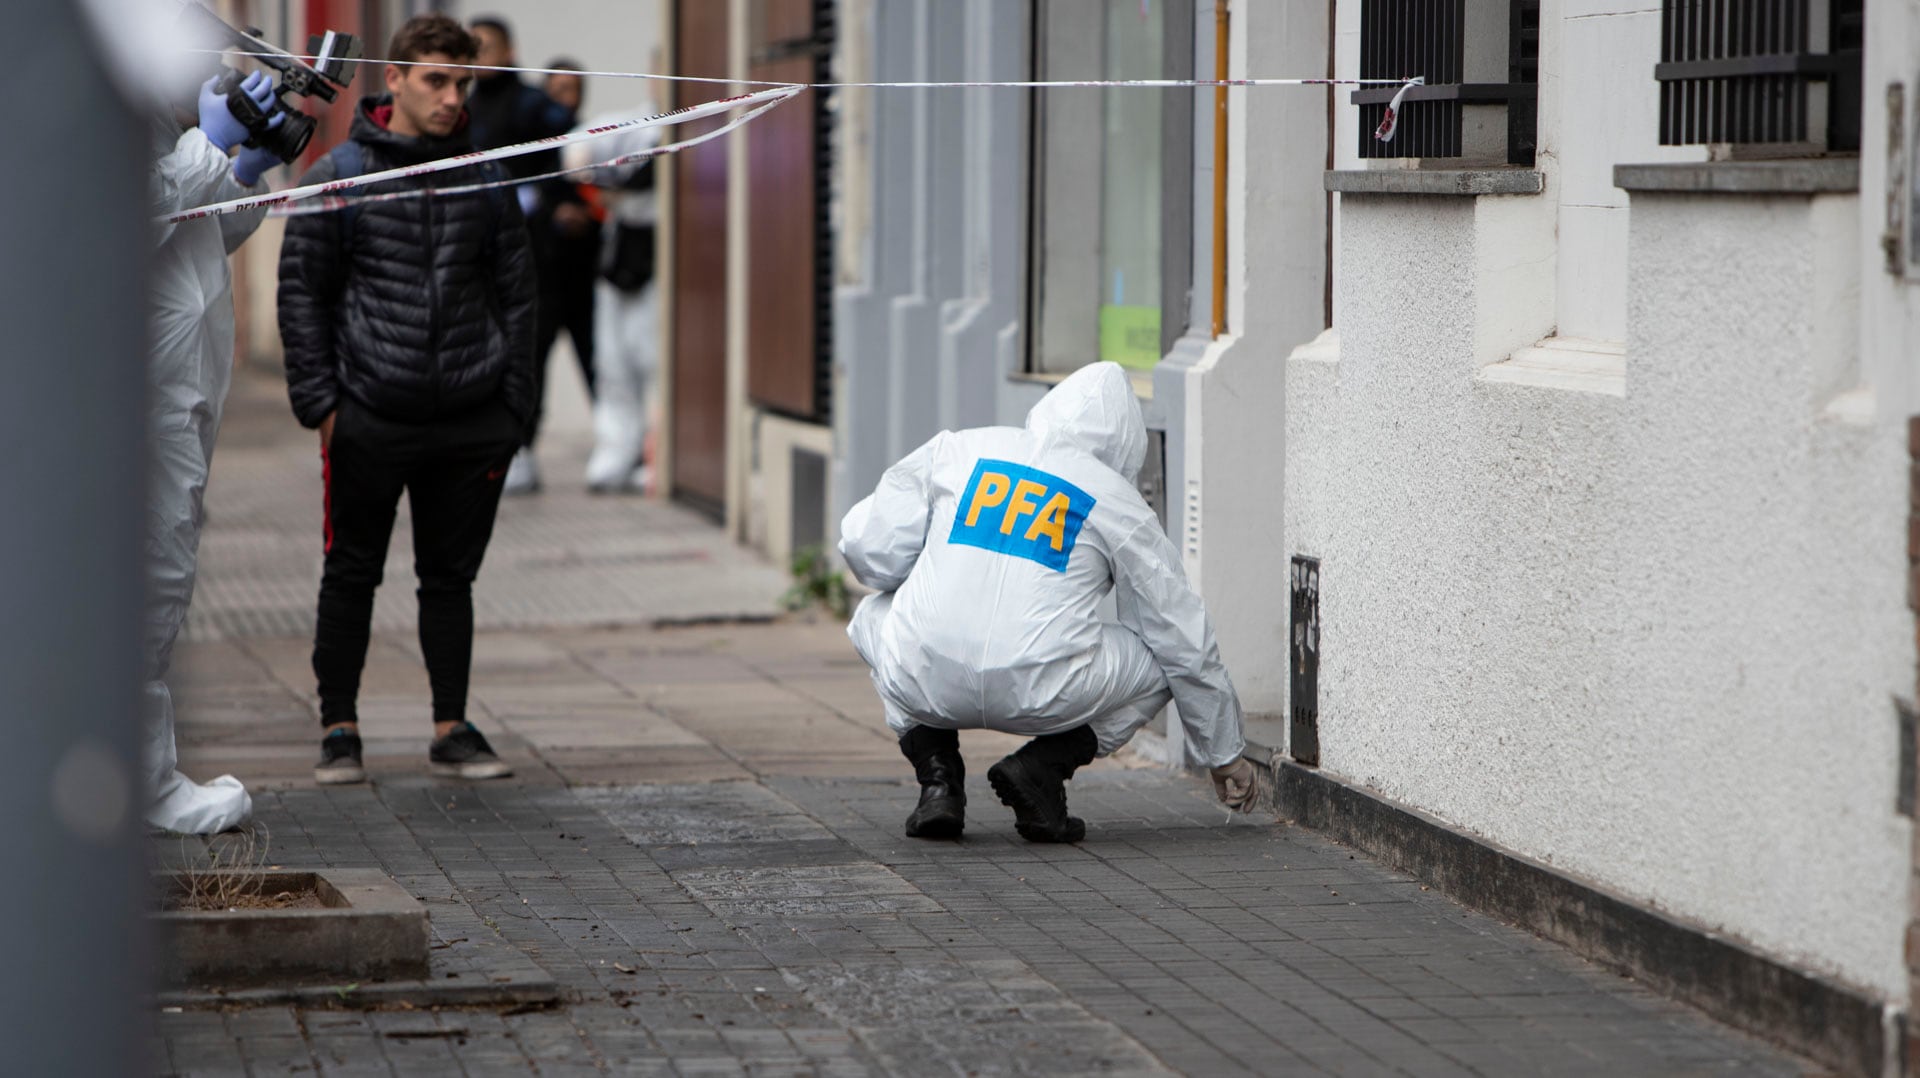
x=1113, y=181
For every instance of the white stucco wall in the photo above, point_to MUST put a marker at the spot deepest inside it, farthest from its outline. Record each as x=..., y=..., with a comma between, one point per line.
x=1652, y=639
x=1599, y=106
x=1890, y=325
x=1226, y=512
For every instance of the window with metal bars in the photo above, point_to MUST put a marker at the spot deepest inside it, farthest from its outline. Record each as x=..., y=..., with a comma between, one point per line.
x=1757, y=72
x=1481, y=60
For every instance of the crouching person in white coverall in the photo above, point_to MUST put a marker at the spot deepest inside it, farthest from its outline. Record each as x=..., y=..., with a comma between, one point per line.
x=188, y=375
x=992, y=550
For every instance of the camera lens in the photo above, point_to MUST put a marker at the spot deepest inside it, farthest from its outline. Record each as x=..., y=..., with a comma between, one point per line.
x=291, y=137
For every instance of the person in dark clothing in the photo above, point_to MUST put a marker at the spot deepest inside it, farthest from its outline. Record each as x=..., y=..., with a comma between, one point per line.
x=566, y=244
x=408, y=327
x=507, y=111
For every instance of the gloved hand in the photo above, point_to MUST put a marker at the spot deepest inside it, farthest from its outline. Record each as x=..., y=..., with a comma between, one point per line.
x=1234, y=784
x=216, y=119
x=251, y=162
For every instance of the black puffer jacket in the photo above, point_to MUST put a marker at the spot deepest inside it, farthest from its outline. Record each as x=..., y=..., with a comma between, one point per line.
x=417, y=308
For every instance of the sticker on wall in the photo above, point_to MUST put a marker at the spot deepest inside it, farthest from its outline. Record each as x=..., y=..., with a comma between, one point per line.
x=1913, y=203
x=1303, y=646
x=1129, y=335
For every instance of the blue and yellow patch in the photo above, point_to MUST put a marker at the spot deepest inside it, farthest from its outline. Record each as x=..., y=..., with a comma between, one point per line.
x=1027, y=513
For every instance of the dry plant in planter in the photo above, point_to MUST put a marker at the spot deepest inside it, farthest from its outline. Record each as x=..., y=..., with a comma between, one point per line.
x=232, y=875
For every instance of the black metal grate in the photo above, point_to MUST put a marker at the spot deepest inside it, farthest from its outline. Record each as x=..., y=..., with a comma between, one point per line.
x=1743, y=71
x=825, y=30
x=1402, y=38
x=1523, y=69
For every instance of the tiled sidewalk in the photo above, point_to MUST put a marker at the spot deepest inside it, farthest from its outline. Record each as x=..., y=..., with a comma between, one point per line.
x=700, y=859
x=702, y=850
x=784, y=927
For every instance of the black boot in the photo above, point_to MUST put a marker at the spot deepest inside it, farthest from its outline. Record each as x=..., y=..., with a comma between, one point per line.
x=935, y=754
x=1033, y=783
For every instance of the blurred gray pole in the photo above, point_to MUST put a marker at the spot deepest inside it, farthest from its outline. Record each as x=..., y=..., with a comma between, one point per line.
x=74, y=247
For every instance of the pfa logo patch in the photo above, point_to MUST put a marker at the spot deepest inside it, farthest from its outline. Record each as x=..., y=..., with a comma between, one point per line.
x=1012, y=509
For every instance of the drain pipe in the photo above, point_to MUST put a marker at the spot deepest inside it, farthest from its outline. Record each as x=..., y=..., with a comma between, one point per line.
x=1221, y=68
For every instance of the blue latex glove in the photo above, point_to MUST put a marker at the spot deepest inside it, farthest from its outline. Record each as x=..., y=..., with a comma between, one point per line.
x=256, y=160
x=216, y=120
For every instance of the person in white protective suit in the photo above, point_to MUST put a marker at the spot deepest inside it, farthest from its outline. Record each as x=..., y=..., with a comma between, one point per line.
x=188, y=374
x=991, y=550
x=626, y=334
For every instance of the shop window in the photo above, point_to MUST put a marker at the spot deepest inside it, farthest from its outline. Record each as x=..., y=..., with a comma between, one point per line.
x=1113, y=177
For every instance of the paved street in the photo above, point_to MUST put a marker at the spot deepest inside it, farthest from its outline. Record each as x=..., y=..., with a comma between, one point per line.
x=698, y=866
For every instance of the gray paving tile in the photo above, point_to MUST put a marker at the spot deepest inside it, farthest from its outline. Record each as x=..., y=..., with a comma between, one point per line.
x=788, y=927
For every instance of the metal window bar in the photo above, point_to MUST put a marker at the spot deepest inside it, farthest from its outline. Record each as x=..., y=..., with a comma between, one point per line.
x=1523, y=69
x=826, y=28
x=1761, y=71
x=1401, y=38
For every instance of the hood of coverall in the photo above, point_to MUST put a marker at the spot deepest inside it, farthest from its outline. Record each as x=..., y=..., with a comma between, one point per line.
x=1095, y=411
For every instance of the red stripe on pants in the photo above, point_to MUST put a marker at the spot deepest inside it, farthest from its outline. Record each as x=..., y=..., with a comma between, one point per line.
x=326, y=499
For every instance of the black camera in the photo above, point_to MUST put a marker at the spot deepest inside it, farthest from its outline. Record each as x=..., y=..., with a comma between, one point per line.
x=334, y=56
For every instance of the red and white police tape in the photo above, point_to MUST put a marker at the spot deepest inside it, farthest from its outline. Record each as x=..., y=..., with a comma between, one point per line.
x=763, y=98
x=1014, y=85
x=324, y=197
x=327, y=203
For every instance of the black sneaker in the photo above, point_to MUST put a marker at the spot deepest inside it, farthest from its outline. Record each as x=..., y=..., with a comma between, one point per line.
x=339, y=760
x=465, y=754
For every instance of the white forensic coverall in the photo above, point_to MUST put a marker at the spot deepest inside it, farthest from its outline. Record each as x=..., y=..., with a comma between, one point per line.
x=992, y=550
x=188, y=375
x=625, y=329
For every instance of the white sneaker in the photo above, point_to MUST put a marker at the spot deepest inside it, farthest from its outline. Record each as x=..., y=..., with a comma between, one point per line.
x=523, y=475
x=637, y=481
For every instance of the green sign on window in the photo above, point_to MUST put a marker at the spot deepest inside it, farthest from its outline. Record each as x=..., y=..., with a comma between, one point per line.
x=1130, y=336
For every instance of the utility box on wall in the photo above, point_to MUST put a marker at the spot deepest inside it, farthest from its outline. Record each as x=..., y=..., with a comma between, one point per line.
x=1303, y=660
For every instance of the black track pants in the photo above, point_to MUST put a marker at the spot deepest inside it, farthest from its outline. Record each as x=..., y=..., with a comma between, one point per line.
x=452, y=471
x=566, y=302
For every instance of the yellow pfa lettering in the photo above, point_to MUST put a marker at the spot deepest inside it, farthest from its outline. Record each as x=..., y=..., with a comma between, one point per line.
x=1020, y=504
x=991, y=491
x=1040, y=515
x=1052, y=521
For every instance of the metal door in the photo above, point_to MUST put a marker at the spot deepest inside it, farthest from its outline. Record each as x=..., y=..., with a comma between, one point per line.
x=788, y=275
x=699, y=284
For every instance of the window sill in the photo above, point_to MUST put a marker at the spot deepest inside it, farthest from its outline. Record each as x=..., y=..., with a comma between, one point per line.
x=1571, y=363
x=1324, y=348
x=1800, y=176
x=1142, y=381
x=1471, y=182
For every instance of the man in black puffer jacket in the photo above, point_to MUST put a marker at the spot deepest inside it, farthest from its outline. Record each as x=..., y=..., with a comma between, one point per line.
x=408, y=327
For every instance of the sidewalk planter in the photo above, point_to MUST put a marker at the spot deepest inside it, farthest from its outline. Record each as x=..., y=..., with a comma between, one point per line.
x=367, y=927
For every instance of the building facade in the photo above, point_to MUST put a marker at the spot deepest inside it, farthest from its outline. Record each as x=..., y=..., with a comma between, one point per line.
x=1601, y=465
x=1545, y=469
